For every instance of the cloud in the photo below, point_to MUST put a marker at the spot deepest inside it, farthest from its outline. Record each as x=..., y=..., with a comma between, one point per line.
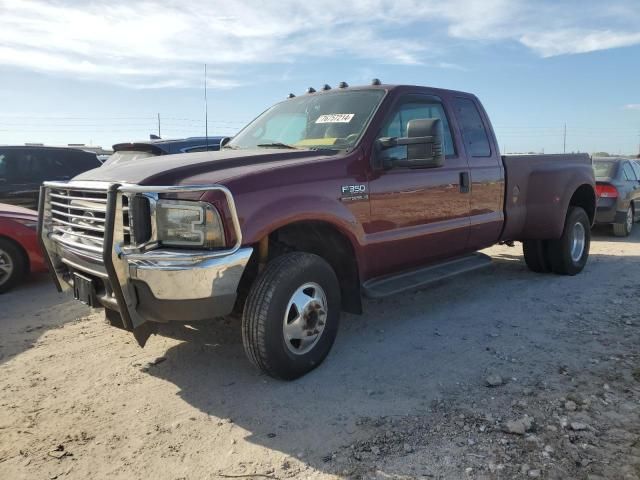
x=549, y=44
x=164, y=43
x=632, y=106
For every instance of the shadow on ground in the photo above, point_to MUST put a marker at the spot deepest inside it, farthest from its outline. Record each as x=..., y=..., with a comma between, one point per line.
x=21, y=324
x=397, y=358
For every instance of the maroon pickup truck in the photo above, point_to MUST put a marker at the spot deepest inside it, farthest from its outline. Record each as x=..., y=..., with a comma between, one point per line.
x=322, y=199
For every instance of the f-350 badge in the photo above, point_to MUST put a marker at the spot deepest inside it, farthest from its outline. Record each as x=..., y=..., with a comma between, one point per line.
x=350, y=193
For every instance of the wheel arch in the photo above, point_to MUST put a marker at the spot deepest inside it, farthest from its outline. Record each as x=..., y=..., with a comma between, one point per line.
x=585, y=197
x=321, y=238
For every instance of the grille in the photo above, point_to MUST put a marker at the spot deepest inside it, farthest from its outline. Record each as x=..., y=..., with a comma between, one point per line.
x=78, y=217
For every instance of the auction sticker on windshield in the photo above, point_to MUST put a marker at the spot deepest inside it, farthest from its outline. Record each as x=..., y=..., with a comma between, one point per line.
x=336, y=118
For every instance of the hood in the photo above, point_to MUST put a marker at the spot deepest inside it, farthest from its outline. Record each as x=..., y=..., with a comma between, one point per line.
x=215, y=166
x=13, y=211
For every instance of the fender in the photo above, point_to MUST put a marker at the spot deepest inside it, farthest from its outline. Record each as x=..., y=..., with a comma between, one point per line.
x=566, y=181
x=256, y=223
x=538, y=193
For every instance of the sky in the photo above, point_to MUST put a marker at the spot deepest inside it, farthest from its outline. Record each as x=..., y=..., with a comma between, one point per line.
x=101, y=71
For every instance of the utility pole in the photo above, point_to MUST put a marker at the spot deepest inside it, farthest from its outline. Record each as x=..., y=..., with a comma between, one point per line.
x=564, y=141
x=206, y=110
x=159, y=136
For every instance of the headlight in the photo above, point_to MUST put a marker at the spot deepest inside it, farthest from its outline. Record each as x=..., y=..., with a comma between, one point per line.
x=188, y=224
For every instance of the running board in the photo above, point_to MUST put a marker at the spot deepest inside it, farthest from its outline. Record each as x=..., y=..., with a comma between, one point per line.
x=414, y=279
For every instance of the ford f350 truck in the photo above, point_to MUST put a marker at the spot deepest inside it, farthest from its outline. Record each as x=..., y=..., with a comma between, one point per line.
x=324, y=198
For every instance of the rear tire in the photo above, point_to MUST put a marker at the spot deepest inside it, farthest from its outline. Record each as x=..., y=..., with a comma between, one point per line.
x=624, y=229
x=568, y=255
x=13, y=265
x=291, y=315
x=535, y=255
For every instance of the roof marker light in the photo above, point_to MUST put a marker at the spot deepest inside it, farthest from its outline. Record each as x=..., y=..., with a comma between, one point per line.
x=311, y=90
x=343, y=85
x=376, y=81
x=326, y=87
x=291, y=95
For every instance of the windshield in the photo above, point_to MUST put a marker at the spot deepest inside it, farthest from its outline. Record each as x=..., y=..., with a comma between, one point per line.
x=333, y=120
x=126, y=156
x=604, y=169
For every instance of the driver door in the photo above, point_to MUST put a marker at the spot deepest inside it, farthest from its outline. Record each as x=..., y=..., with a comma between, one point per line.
x=418, y=215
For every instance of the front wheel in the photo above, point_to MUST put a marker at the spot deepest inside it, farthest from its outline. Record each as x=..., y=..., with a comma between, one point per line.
x=291, y=315
x=568, y=255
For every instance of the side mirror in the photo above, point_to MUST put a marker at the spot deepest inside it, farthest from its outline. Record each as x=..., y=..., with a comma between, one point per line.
x=423, y=141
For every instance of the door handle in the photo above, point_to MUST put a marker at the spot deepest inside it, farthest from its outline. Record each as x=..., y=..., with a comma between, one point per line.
x=465, y=184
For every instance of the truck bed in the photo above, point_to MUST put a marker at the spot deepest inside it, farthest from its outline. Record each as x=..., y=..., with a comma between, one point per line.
x=538, y=191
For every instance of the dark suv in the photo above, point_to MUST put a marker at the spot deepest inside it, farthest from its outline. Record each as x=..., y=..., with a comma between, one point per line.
x=24, y=168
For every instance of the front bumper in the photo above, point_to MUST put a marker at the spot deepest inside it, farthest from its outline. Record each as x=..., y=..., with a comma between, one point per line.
x=156, y=285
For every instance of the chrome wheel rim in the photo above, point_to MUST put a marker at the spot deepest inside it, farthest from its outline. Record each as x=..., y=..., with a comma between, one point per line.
x=305, y=318
x=578, y=239
x=629, y=219
x=6, y=267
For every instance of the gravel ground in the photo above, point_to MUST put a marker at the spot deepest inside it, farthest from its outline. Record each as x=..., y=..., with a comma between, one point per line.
x=501, y=374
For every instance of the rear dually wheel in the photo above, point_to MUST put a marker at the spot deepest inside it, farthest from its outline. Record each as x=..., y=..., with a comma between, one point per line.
x=568, y=255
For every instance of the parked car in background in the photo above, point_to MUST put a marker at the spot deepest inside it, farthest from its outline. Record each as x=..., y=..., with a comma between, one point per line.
x=24, y=168
x=20, y=251
x=618, y=189
x=123, y=152
x=323, y=198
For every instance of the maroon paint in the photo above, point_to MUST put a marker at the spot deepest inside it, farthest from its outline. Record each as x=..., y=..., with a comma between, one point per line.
x=412, y=217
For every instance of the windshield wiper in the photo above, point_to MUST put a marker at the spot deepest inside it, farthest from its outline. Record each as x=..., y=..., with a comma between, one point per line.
x=276, y=145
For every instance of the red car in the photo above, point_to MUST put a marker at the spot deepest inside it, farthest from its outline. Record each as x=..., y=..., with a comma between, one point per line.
x=20, y=252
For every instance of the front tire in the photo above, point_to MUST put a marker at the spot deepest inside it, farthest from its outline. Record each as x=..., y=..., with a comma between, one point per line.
x=568, y=255
x=291, y=315
x=624, y=229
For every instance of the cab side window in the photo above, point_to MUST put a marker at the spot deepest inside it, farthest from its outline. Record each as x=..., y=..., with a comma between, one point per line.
x=397, y=126
x=474, y=134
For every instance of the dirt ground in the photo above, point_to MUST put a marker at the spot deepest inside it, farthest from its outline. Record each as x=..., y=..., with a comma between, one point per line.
x=403, y=394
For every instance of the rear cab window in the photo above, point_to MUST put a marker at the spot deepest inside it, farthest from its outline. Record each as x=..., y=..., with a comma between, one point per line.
x=474, y=133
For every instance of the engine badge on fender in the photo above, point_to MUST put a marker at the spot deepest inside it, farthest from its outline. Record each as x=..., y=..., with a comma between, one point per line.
x=354, y=192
